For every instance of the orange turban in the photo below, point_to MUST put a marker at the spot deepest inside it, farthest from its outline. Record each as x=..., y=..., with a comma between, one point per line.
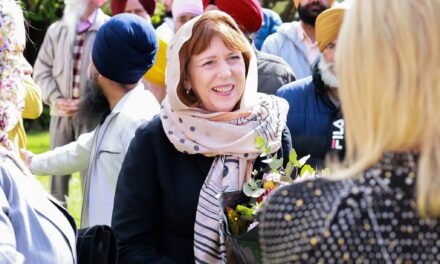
x=156, y=74
x=296, y=2
x=327, y=26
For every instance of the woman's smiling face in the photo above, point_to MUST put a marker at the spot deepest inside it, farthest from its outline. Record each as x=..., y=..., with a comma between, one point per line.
x=217, y=77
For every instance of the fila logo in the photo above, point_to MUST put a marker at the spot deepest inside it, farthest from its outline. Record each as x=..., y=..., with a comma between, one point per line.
x=338, y=134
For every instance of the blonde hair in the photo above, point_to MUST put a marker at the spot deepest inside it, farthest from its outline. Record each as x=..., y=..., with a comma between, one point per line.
x=388, y=60
x=210, y=24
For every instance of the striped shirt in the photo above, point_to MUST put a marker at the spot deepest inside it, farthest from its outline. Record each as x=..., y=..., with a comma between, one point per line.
x=77, y=52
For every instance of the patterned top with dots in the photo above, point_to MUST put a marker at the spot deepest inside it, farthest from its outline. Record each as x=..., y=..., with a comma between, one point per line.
x=369, y=219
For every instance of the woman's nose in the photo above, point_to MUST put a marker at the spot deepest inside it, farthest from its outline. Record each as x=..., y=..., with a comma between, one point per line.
x=224, y=69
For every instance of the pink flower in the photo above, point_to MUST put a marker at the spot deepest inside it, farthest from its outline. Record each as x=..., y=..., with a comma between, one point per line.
x=272, y=176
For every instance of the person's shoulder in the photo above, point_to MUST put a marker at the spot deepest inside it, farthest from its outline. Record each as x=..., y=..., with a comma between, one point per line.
x=279, y=36
x=272, y=59
x=296, y=88
x=151, y=129
x=140, y=104
x=56, y=26
x=308, y=202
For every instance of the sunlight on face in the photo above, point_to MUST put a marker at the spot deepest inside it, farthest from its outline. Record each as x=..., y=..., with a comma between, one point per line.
x=217, y=77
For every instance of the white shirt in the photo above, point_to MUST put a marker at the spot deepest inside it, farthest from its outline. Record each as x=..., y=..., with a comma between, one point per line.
x=102, y=151
x=166, y=30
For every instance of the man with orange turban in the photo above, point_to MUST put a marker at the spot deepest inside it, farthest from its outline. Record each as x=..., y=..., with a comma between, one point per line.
x=315, y=118
x=295, y=42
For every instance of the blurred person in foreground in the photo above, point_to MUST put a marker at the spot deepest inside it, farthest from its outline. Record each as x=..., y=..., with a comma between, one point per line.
x=273, y=72
x=202, y=144
x=33, y=227
x=384, y=206
x=295, y=41
x=61, y=72
x=315, y=118
x=116, y=97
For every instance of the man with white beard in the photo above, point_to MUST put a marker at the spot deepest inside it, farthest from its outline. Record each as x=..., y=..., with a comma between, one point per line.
x=61, y=72
x=315, y=118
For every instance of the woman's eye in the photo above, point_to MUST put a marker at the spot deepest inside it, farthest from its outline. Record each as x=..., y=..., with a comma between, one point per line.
x=235, y=57
x=208, y=63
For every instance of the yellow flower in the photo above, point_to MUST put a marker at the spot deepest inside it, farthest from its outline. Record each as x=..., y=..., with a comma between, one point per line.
x=269, y=185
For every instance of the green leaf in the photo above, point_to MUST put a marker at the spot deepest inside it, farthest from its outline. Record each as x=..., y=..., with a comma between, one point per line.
x=286, y=179
x=276, y=164
x=267, y=150
x=293, y=156
x=253, y=188
x=267, y=161
x=243, y=210
x=257, y=193
x=303, y=160
x=261, y=142
x=289, y=170
x=307, y=169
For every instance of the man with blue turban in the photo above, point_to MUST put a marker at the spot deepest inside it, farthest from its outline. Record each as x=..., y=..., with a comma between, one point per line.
x=125, y=48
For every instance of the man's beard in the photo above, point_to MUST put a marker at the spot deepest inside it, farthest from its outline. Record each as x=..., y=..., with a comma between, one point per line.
x=327, y=76
x=73, y=11
x=307, y=15
x=93, y=105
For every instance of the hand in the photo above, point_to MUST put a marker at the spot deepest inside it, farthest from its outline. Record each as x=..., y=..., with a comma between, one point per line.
x=67, y=107
x=27, y=157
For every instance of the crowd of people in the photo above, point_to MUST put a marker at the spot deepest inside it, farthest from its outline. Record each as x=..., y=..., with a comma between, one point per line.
x=161, y=121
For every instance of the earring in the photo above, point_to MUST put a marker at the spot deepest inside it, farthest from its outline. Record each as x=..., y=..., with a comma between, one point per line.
x=187, y=91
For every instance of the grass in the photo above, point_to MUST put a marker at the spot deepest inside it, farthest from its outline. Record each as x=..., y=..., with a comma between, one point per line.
x=39, y=142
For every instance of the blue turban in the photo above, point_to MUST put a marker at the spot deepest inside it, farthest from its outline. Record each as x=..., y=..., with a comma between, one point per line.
x=125, y=48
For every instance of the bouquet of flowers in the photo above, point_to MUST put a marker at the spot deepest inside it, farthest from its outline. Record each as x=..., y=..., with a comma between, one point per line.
x=241, y=207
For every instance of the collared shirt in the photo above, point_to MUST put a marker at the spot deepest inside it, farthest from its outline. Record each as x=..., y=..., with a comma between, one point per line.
x=312, y=48
x=86, y=24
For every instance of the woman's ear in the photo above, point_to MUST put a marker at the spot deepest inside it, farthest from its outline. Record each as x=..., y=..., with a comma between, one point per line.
x=187, y=84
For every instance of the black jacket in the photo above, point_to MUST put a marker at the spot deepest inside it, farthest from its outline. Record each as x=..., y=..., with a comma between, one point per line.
x=156, y=198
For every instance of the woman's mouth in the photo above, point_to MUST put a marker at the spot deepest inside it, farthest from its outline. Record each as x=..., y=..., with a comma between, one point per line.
x=225, y=89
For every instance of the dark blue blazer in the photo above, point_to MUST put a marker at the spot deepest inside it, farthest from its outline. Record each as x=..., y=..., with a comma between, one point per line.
x=156, y=198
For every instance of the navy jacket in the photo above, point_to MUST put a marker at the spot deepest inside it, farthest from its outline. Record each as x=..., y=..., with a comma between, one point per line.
x=313, y=120
x=156, y=198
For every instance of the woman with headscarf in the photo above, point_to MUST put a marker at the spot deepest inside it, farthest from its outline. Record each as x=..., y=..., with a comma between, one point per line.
x=387, y=207
x=33, y=228
x=204, y=143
